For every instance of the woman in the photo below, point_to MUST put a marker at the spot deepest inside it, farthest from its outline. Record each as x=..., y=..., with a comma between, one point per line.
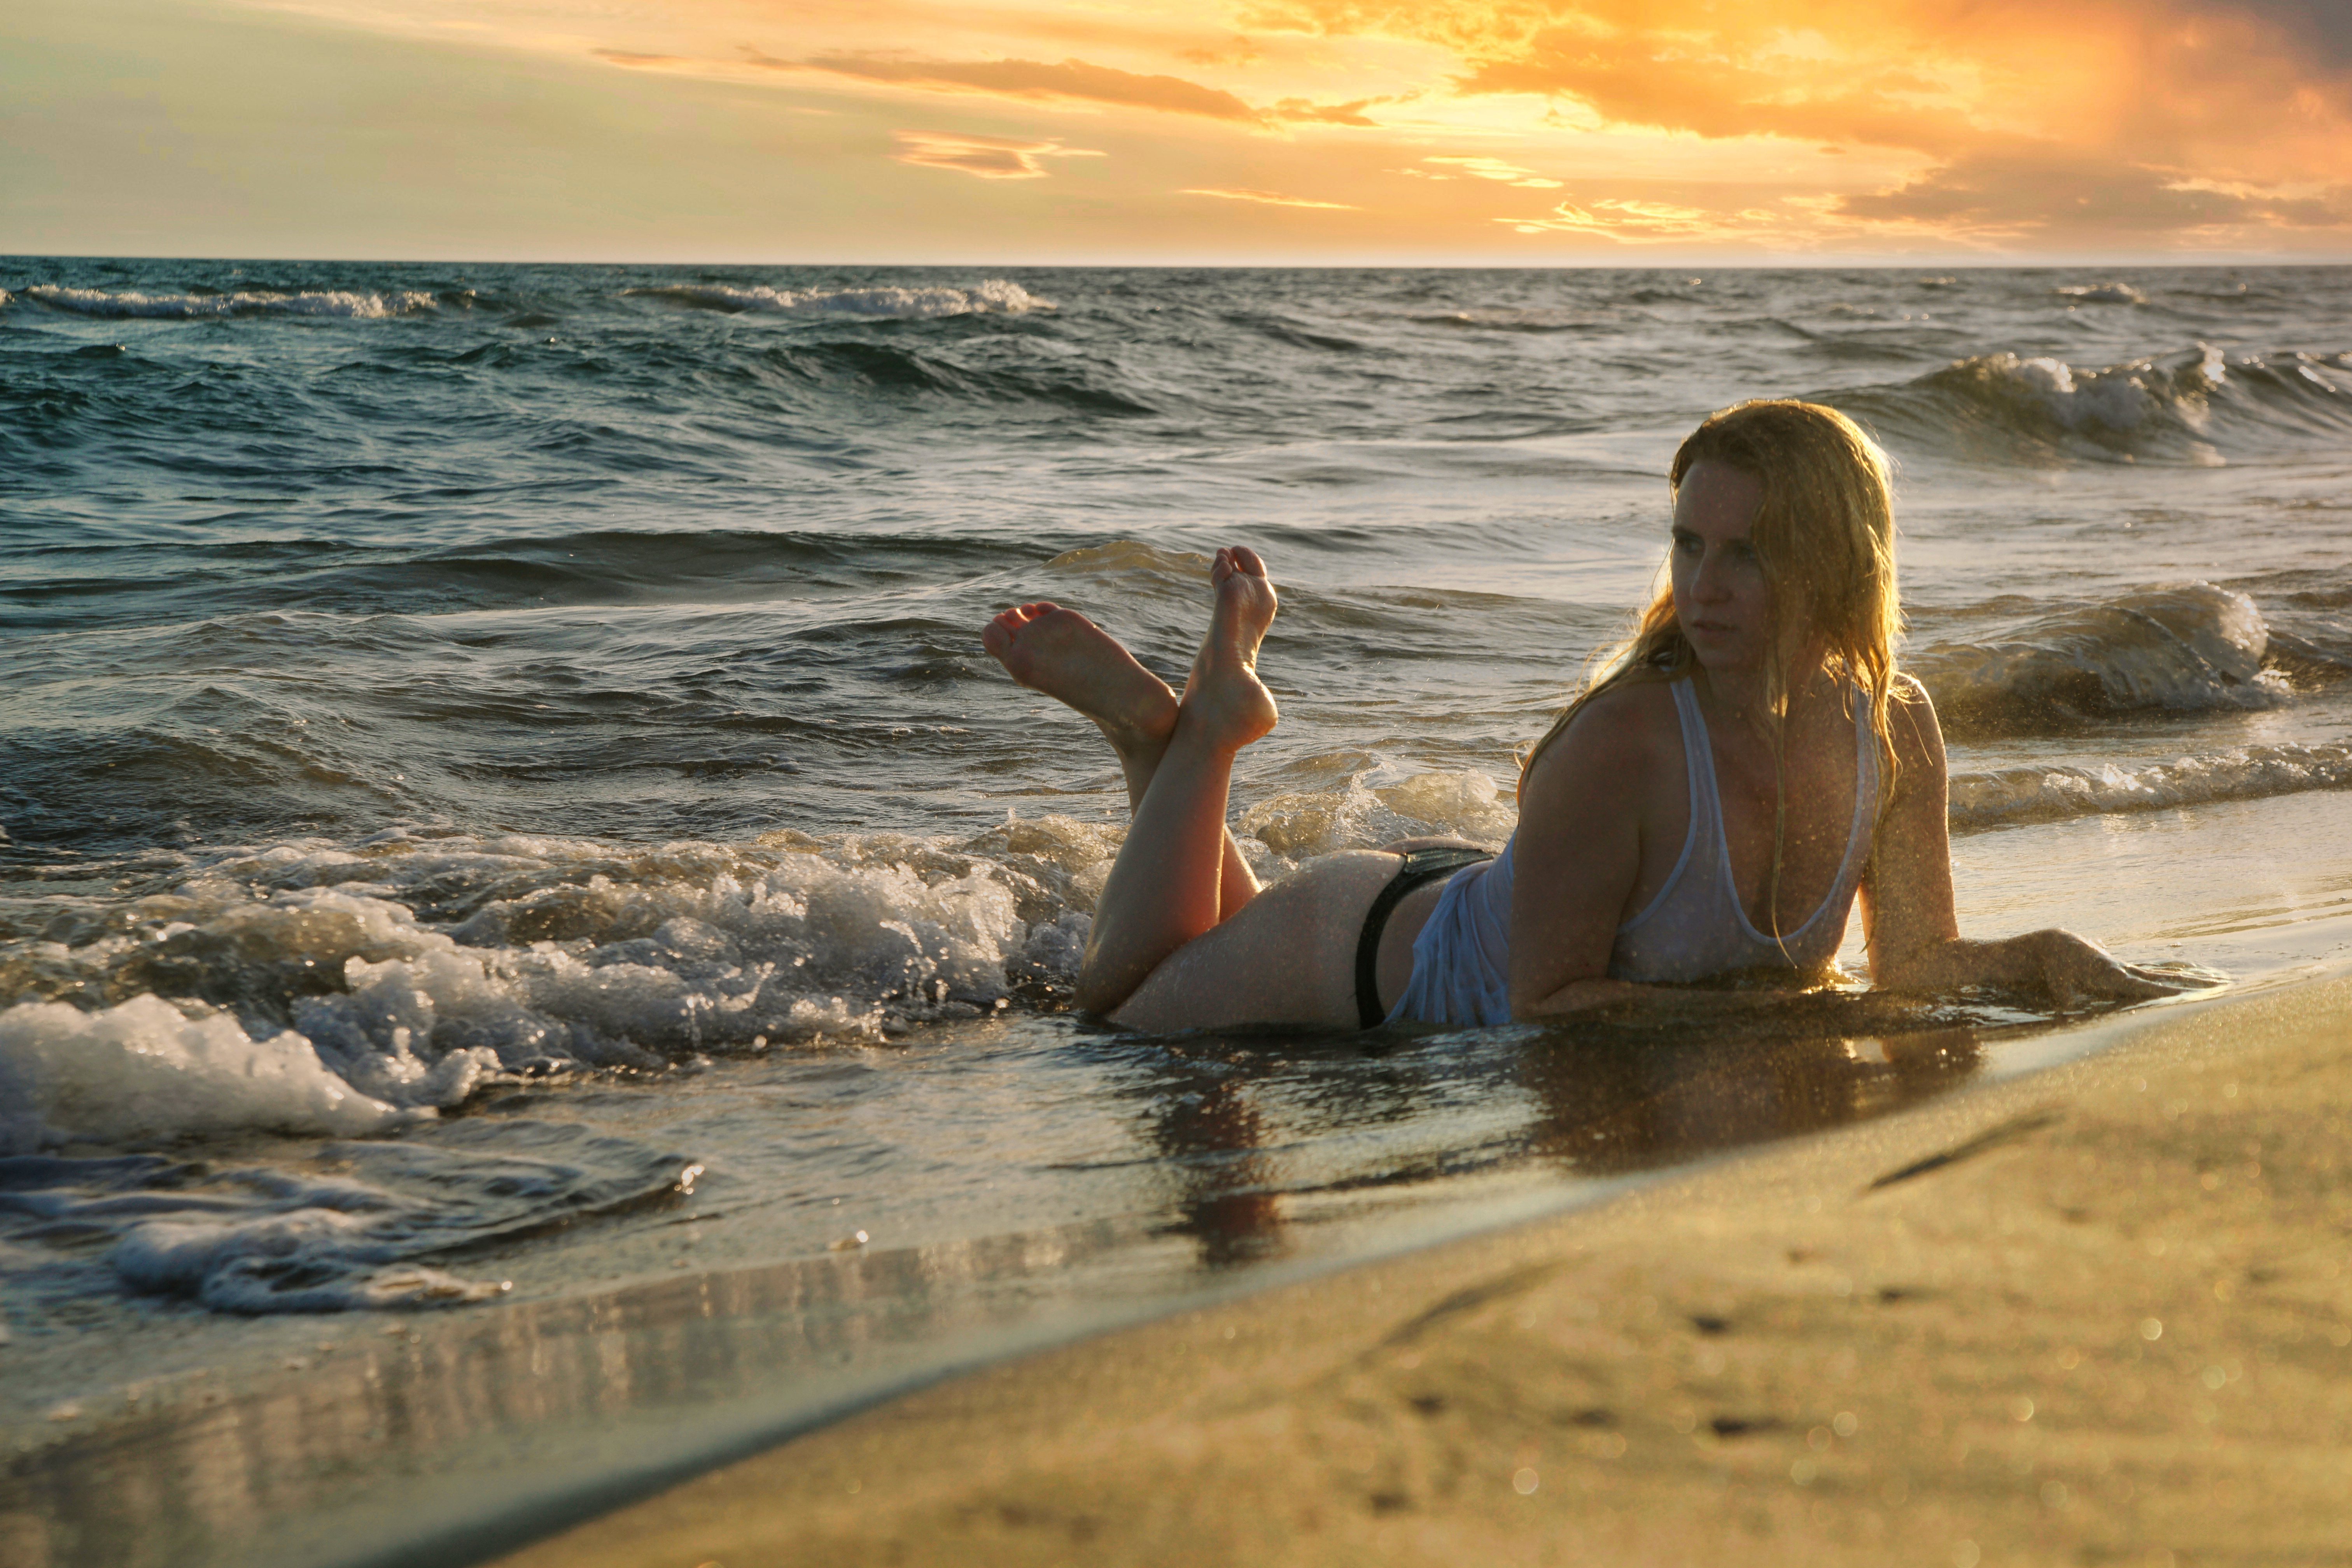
x=1744, y=770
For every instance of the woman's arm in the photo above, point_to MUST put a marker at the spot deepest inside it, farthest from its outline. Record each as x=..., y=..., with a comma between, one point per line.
x=1907, y=895
x=1578, y=850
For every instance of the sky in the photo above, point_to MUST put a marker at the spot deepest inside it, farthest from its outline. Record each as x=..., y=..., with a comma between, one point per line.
x=1516, y=133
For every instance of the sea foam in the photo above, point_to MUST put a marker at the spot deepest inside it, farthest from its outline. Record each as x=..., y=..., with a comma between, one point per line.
x=144, y=1072
x=996, y=295
x=331, y=302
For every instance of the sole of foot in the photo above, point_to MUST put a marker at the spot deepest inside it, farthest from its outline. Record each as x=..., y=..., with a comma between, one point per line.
x=1069, y=658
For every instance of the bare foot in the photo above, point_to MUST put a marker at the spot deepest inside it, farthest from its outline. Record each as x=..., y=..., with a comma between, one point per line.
x=1223, y=693
x=1069, y=658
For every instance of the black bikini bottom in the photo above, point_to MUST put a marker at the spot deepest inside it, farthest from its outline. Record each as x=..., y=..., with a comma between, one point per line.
x=1420, y=867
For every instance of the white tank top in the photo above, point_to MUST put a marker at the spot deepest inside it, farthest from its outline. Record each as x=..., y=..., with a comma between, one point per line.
x=1694, y=928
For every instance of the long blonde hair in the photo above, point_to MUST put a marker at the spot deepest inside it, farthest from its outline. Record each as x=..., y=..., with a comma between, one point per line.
x=1824, y=536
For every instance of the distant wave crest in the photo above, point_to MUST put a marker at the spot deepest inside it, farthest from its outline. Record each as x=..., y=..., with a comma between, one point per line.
x=995, y=296
x=2200, y=407
x=118, y=304
x=2103, y=294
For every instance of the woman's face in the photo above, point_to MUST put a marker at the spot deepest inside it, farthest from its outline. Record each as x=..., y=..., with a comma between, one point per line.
x=1721, y=596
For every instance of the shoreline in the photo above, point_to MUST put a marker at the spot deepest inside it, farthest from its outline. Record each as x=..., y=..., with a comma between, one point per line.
x=2097, y=1312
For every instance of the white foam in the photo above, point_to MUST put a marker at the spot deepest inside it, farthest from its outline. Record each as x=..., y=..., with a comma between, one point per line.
x=1298, y=825
x=2103, y=294
x=596, y=955
x=342, y=303
x=242, y=1265
x=995, y=295
x=142, y=1072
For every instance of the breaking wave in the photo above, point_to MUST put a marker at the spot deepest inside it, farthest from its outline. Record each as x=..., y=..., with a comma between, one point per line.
x=995, y=296
x=2199, y=408
x=350, y=305
x=2014, y=795
x=2194, y=648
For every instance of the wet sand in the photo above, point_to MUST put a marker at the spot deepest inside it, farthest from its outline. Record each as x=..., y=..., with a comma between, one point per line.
x=2101, y=1313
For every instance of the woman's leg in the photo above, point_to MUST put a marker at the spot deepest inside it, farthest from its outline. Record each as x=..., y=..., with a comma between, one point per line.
x=1164, y=889
x=1068, y=658
x=1288, y=957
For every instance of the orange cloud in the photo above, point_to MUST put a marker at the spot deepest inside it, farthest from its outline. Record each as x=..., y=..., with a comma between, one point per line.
x=2131, y=119
x=1987, y=126
x=1496, y=169
x=1310, y=112
x=641, y=62
x=987, y=157
x=1070, y=79
x=2032, y=191
x=1272, y=199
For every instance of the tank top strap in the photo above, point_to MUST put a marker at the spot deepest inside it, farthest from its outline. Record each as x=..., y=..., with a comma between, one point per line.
x=1698, y=761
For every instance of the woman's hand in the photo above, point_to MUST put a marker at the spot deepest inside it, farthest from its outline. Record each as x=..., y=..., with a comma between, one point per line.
x=2074, y=969
x=2067, y=968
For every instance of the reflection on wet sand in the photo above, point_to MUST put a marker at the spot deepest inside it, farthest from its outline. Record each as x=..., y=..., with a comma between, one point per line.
x=1246, y=1126
x=446, y=1438
x=1612, y=1107
x=443, y=1438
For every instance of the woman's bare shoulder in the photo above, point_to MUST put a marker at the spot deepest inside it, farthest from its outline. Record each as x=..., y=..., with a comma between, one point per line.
x=1622, y=727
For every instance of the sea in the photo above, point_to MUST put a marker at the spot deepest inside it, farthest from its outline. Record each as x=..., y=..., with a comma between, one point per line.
x=536, y=948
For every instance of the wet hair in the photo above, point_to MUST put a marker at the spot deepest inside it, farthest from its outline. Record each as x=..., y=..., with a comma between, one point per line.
x=1824, y=536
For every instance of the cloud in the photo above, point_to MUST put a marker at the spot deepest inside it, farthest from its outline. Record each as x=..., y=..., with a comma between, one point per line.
x=1307, y=110
x=2050, y=192
x=1272, y=199
x=641, y=62
x=1633, y=219
x=1496, y=169
x=2322, y=27
x=1069, y=79
x=988, y=157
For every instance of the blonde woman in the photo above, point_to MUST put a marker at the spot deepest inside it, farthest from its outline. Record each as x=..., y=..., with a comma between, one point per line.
x=1739, y=775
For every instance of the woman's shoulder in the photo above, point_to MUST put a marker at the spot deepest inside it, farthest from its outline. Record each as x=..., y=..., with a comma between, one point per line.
x=1621, y=726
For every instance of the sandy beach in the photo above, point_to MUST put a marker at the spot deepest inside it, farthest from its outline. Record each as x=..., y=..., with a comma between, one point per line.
x=2100, y=1313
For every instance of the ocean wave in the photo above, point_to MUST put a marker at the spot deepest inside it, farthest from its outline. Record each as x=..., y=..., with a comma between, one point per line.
x=897, y=367
x=996, y=295
x=1981, y=800
x=347, y=305
x=2190, y=648
x=2200, y=406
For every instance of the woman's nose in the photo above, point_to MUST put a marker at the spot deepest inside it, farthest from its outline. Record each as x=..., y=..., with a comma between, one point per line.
x=1707, y=582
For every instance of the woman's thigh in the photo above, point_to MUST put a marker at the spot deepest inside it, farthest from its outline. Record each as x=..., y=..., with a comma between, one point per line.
x=1288, y=956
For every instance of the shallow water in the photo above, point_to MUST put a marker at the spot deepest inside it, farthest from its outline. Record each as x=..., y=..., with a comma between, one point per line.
x=500, y=789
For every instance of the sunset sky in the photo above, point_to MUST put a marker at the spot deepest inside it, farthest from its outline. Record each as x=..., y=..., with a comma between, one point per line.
x=1489, y=132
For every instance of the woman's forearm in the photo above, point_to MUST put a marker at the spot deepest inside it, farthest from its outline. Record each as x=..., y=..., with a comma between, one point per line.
x=1962, y=961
